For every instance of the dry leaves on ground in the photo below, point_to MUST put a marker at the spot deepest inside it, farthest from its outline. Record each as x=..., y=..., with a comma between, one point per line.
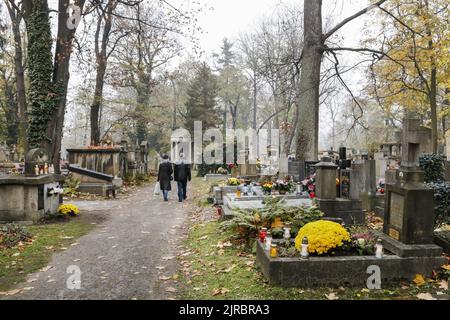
x=220, y=291
x=425, y=296
x=332, y=296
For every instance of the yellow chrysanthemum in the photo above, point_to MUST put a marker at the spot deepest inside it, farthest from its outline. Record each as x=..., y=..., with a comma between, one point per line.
x=68, y=209
x=322, y=236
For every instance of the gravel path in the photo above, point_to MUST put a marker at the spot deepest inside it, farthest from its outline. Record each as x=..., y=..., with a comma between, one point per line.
x=122, y=258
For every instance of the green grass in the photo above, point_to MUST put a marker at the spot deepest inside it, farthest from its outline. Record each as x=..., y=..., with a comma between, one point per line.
x=48, y=239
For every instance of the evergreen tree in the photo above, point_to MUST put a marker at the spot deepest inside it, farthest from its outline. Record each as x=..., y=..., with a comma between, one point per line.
x=201, y=103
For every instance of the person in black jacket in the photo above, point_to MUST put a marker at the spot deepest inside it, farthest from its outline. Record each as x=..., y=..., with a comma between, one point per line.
x=182, y=175
x=165, y=176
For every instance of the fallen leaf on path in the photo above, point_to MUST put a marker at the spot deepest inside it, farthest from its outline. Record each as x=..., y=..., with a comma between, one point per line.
x=28, y=288
x=419, y=280
x=171, y=289
x=425, y=296
x=443, y=285
x=332, y=296
x=44, y=269
x=220, y=291
x=31, y=280
x=164, y=278
x=10, y=293
x=160, y=267
x=168, y=258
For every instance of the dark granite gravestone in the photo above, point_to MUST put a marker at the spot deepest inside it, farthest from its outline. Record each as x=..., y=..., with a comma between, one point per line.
x=409, y=213
x=310, y=168
x=348, y=210
x=349, y=184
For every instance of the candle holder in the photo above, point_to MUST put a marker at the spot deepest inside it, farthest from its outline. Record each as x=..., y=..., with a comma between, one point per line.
x=304, y=254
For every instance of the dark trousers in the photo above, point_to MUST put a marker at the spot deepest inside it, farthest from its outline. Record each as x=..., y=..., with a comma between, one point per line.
x=182, y=186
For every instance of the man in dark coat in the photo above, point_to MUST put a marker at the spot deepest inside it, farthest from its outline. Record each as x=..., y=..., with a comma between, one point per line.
x=165, y=176
x=182, y=175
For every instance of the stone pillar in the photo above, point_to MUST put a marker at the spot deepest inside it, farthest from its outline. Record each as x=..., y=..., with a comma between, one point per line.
x=326, y=179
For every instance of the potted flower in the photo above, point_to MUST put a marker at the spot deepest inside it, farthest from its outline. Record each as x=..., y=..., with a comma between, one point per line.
x=284, y=186
x=267, y=187
x=310, y=184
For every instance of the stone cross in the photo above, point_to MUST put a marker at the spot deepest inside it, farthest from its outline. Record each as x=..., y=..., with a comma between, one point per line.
x=415, y=140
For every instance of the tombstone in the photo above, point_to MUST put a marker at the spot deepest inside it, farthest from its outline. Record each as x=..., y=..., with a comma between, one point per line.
x=283, y=166
x=35, y=157
x=310, y=168
x=349, y=184
x=30, y=197
x=409, y=213
x=326, y=179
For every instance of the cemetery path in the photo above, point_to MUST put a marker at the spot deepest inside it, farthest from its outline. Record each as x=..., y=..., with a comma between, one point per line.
x=125, y=257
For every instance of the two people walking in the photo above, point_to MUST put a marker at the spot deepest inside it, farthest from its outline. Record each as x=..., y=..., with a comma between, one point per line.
x=182, y=174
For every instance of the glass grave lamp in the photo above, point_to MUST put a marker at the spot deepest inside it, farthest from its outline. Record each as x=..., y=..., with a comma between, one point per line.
x=304, y=254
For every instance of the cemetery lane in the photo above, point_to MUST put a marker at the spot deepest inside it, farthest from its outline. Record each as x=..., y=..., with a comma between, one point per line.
x=123, y=258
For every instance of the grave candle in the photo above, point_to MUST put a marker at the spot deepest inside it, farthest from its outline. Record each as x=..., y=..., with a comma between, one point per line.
x=262, y=234
x=287, y=233
x=379, y=249
x=304, y=252
x=273, y=251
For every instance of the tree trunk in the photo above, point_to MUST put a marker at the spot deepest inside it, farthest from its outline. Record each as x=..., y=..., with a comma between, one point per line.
x=433, y=105
x=61, y=77
x=16, y=18
x=308, y=125
x=255, y=103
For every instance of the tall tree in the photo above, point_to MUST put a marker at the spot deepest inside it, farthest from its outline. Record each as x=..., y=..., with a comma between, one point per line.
x=411, y=69
x=309, y=84
x=49, y=79
x=201, y=104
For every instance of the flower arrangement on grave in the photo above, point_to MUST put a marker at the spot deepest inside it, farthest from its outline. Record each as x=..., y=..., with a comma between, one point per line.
x=222, y=171
x=68, y=210
x=381, y=186
x=310, y=184
x=323, y=236
x=364, y=243
x=267, y=187
x=232, y=166
x=233, y=182
x=284, y=186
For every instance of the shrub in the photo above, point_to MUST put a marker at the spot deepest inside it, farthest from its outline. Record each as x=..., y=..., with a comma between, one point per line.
x=12, y=234
x=433, y=166
x=323, y=236
x=68, y=210
x=442, y=202
x=71, y=186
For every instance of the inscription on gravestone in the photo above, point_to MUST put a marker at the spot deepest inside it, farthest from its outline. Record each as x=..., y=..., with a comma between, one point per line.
x=397, y=210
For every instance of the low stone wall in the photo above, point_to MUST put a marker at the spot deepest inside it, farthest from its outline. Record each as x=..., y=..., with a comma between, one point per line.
x=341, y=271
